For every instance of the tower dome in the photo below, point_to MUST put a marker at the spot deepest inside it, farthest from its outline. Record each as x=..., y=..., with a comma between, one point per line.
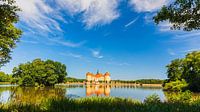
x=107, y=74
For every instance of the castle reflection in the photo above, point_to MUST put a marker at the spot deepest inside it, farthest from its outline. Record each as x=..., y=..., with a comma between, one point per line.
x=98, y=90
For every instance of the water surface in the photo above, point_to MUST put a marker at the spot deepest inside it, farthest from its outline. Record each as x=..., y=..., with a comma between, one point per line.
x=10, y=93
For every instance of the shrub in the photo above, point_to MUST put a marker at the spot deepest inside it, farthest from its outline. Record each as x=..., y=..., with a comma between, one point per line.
x=179, y=96
x=175, y=85
x=154, y=98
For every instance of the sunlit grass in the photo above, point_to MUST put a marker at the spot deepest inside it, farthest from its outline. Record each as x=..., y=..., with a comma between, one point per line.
x=103, y=104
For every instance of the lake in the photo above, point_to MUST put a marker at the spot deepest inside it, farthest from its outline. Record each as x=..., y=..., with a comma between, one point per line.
x=10, y=93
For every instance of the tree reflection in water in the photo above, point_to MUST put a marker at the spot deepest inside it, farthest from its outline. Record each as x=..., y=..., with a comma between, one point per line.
x=34, y=95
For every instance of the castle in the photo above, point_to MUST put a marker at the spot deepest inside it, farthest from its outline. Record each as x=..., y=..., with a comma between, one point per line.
x=90, y=77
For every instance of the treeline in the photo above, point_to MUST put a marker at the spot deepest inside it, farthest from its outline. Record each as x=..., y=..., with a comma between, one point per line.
x=141, y=81
x=71, y=79
x=5, y=77
x=150, y=81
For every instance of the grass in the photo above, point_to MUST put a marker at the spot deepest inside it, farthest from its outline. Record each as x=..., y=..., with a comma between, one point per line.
x=4, y=83
x=104, y=104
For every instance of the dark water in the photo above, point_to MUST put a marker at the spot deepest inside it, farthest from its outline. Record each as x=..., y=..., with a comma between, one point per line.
x=12, y=94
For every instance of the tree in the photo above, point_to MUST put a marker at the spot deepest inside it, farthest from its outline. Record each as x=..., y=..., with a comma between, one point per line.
x=39, y=72
x=182, y=14
x=4, y=77
x=191, y=71
x=9, y=34
x=174, y=70
x=184, y=72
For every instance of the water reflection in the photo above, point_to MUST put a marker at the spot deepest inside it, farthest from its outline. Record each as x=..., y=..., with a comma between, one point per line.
x=37, y=95
x=98, y=90
x=29, y=94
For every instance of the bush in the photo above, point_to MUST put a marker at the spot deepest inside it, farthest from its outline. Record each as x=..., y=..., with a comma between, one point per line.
x=179, y=96
x=175, y=86
x=154, y=98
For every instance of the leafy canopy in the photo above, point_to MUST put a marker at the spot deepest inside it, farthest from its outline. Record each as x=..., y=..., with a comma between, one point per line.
x=39, y=72
x=9, y=34
x=4, y=77
x=182, y=14
x=184, y=73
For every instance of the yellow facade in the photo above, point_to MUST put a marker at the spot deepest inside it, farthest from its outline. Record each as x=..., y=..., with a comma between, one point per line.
x=98, y=77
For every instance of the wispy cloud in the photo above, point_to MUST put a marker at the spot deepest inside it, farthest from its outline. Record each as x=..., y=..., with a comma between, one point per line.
x=131, y=22
x=187, y=35
x=171, y=52
x=191, y=50
x=97, y=54
x=165, y=26
x=72, y=55
x=94, y=12
x=37, y=14
x=147, y=5
x=67, y=43
x=30, y=41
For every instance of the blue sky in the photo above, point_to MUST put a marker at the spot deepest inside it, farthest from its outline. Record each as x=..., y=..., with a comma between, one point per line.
x=118, y=36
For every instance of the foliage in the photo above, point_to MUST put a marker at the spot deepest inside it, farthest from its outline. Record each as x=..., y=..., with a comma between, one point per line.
x=141, y=81
x=181, y=14
x=175, y=70
x=9, y=34
x=39, y=72
x=182, y=71
x=191, y=71
x=154, y=98
x=149, y=81
x=177, y=85
x=71, y=79
x=4, y=77
x=179, y=96
x=101, y=104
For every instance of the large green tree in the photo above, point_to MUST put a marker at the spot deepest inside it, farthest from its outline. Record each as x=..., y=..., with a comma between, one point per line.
x=175, y=69
x=182, y=14
x=39, y=72
x=191, y=71
x=9, y=34
x=184, y=72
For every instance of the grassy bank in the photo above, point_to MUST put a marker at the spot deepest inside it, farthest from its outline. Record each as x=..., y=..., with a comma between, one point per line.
x=100, y=104
x=5, y=83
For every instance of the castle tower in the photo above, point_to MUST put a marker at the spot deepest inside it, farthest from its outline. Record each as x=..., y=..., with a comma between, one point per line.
x=107, y=77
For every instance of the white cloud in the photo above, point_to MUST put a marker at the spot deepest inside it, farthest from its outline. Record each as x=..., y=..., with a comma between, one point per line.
x=94, y=12
x=96, y=54
x=37, y=15
x=147, y=5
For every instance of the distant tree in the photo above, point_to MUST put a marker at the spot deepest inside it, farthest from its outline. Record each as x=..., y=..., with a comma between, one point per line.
x=39, y=72
x=4, y=77
x=182, y=14
x=9, y=34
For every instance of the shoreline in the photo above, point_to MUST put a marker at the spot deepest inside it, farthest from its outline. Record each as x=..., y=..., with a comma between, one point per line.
x=113, y=85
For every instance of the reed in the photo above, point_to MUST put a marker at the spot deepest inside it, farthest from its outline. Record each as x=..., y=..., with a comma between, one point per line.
x=104, y=104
